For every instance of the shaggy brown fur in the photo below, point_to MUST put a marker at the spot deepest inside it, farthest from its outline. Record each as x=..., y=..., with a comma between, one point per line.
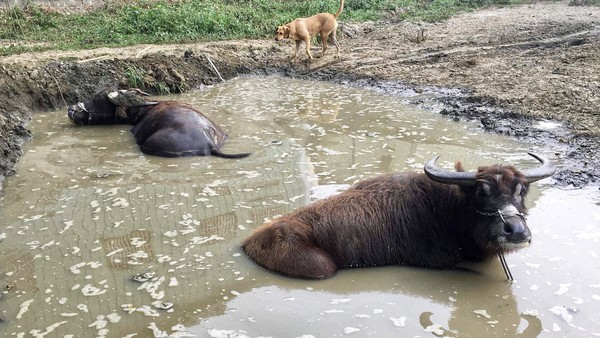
x=402, y=219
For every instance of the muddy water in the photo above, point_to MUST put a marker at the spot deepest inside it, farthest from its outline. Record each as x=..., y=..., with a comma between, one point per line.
x=98, y=239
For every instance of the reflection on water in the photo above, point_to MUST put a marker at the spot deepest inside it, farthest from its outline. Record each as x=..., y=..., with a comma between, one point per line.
x=98, y=239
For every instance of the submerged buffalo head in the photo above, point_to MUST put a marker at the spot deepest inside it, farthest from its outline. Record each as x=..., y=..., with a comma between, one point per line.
x=109, y=106
x=164, y=128
x=496, y=194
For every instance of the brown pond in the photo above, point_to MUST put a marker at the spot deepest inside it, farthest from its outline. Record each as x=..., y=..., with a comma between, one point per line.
x=87, y=211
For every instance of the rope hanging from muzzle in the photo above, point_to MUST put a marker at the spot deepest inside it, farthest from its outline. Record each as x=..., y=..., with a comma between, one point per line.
x=505, y=267
x=501, y=255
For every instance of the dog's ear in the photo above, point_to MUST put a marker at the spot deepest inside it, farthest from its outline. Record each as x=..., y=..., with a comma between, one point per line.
x=286, y=33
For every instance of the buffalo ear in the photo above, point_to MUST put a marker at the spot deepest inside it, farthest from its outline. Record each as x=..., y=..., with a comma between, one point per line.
x=121, y=112
x=458, y=166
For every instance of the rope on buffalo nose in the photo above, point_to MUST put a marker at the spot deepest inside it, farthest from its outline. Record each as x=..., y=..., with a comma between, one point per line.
x=505, y=267
x=507, y=272
x=499, y=213
x=501, y=256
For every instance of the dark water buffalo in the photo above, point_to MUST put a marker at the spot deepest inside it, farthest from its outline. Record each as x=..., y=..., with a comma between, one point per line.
x=434, y=220
x=163, y=128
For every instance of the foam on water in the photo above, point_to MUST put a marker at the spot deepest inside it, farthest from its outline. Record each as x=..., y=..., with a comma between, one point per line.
x=98, y=239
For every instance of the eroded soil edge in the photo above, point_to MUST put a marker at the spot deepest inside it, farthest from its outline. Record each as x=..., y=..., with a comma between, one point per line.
x=509, y=69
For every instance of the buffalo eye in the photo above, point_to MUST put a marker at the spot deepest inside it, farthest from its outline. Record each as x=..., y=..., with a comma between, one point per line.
x=484, y=190
x=519, y=192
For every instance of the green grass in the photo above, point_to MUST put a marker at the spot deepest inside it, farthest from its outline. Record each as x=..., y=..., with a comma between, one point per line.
x=146, y=21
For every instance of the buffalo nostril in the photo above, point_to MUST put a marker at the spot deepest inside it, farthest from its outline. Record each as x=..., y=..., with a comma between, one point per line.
x=516, y=231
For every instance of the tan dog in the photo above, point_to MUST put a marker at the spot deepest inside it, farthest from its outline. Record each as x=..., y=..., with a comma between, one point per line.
x=303, y=29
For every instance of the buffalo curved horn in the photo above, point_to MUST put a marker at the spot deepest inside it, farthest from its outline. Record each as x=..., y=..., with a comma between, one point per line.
x=129, y=98
x=545, y=170
x=448, y=177
x=468, y=178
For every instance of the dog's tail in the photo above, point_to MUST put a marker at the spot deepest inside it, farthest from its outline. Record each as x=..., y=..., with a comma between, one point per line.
x=339, y=10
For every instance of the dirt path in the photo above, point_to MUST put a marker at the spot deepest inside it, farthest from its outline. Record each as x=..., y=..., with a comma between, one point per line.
x=505, y=67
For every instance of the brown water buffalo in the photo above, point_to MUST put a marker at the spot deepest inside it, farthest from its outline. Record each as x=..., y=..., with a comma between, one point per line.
x=432, y=220
x=161, y=128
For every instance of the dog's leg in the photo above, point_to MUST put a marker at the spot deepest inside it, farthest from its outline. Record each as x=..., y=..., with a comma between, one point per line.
x=307, y=42
x=337, y=45
x=324, y=37
x=298, y=42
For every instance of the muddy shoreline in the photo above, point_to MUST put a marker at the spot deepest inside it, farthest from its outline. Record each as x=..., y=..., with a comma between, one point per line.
x=525, y=68
x=577, y=154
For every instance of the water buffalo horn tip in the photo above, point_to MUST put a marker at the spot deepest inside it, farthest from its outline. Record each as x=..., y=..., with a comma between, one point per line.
x=140, y=92
x=545, y=170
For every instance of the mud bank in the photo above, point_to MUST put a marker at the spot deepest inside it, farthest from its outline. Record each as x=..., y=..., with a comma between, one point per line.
x=530, y=72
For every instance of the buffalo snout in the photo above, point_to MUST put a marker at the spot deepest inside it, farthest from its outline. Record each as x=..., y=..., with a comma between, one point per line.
x=516, y=231
x=512, y=228
x=77, y=113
